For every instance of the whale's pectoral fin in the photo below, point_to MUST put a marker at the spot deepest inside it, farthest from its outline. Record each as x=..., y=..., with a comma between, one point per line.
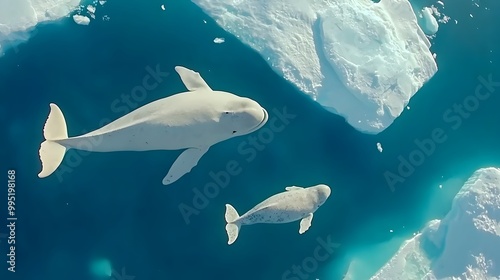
x=293, y=188
x=305, y=223
x=183, y=164
x=191, y=79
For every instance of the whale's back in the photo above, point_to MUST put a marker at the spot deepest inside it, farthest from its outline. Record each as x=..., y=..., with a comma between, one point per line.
x=184, y=120
x=283, y=207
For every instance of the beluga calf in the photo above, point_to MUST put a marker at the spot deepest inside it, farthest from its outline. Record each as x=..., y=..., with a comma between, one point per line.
x=296, y=203
x=194, y=121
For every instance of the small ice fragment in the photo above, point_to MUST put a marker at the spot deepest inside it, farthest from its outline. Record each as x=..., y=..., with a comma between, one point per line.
x=91, y=9
x=430, y=25
x=471, y=15
x=440, y=186
x=440, y=3
x=105, y=18
x=379, y=147
x=434, y=55
x=219, y=40
x=102, y=2
x=391, y=230
x=204, y=21
x=82, y=20
x=408, y=107
x=163, y=7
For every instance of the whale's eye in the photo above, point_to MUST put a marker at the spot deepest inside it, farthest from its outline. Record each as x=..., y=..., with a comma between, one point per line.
x=234, y=131
x=226, y=113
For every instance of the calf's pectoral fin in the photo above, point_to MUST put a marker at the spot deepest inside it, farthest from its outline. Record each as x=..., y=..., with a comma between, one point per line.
x=305, y=223
x=184, y=163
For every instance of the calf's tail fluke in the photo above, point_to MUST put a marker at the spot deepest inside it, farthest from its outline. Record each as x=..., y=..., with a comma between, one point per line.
x=51, y=152
x=233, y=226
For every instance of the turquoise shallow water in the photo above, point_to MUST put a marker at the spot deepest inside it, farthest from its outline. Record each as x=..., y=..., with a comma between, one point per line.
x=113, y=205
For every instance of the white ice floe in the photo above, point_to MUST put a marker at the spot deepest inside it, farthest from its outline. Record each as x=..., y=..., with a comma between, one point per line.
x=91, y=9
x=82, y=20
x=359, y=59
x=379, y=147
x=430, y=24
x=463, y=245
x=219, y=40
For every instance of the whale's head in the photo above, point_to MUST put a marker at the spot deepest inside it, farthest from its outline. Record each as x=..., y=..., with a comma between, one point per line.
x=242, y=116
x=322, y=193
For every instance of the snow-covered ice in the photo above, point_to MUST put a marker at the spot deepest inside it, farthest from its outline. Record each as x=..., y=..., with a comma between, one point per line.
x=82, y=20
x=17, y=18
x=465, y=244
x=379, y=147
x=359, y=59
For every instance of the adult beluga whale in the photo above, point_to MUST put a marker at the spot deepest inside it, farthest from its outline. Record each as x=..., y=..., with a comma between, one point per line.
x=296, y=203
x=193, y=120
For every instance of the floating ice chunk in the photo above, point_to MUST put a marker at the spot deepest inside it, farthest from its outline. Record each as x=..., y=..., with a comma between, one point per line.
x=429, y=25
x=379, y=147
x=219, y=40
x=463, y=245
x=82, y=20
x=359, y=59
x=163, y=7
x=441, y=17
x=102, y=2
x=91, y=9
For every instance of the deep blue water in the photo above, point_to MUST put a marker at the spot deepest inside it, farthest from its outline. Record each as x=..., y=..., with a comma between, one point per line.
x=113, y=205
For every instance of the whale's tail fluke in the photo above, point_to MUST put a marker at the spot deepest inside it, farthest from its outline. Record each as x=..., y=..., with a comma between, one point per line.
x=51, y=152
x=233, y=225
